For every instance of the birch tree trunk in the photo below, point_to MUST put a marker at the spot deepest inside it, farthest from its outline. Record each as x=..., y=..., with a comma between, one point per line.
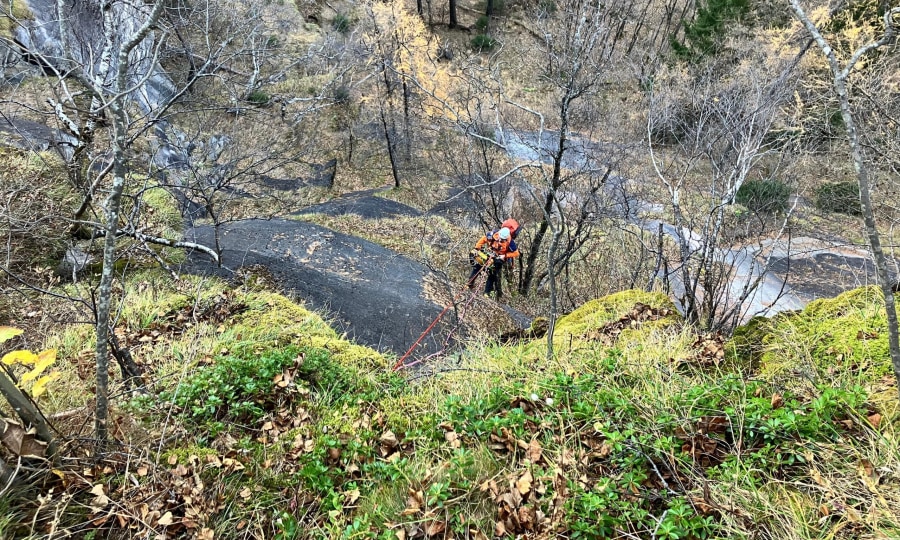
x=116, y=104
x=839, y=81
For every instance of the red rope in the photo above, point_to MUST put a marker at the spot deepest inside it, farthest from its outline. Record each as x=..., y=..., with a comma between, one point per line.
x=400, y=363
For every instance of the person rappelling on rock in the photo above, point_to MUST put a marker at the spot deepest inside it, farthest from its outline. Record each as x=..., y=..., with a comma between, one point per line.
x=489, y=255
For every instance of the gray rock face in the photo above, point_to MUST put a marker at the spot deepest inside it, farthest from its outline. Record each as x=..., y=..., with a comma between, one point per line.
x=373, y=294
x=84, y=22
x=362, y=203
x=28, y=135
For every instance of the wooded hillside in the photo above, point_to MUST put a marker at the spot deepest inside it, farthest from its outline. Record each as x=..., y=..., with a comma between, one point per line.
x=224, y=222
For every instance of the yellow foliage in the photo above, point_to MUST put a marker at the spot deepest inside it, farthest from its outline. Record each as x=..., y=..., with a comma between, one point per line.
x=40, y=363
x=19, y=357
x=8, y=332
x=43, y=360
x=403, y=40
x=40, y=386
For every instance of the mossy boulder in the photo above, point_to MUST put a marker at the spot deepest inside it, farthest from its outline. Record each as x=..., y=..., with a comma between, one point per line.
x=275, y=318
x=841, y=337
x=596, y=314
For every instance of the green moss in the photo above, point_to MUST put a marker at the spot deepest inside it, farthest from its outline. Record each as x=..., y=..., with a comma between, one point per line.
x=845, y=336
x=151, y=296
x=407, y=412
x=601, y=311
x=345, y=353
x=273, y=317
x=746, y=341
x=163, y=212
x=19, y=10
x=185, y=454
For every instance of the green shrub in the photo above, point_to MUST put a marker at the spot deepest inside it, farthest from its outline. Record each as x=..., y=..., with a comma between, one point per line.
x=705, y=34
x=481, y=23
x=842, y=197
x=341, y=23
x=234, y=387
x=547, y=7
x=258, y=97
x=482, y=42
x=764, y=195
x=341, y=94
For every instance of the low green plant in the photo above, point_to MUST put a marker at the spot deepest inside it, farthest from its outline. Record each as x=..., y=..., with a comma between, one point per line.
x=341, y=23
x=234, y=387
x=764, y=195
x=482, y=42
x=547, y=7
x=258, y=97
x=481, y=23
x=840, y=197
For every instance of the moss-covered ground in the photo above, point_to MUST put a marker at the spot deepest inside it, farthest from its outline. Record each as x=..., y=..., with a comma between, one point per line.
x=260, y=421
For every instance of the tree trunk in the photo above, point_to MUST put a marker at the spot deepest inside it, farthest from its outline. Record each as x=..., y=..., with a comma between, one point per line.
x=555, y=182
x=453, y=22
x=7, y=476
x=390, y=148
x=27, y=411
x=551, y=275
x=406, y=134
x=104, y=293
x=859, y=164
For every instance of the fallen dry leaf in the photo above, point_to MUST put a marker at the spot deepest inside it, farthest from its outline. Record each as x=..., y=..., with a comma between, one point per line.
x=389, y=439
x=166, y=519
x=452, y=438
x=435, y=528
x=523, y=484
x=777, y=400
x=100, y=498
x=533, y=453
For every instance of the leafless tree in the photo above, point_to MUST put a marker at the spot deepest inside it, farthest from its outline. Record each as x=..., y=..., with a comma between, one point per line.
x=842, y=85
x=127, y=75
x=717, y=128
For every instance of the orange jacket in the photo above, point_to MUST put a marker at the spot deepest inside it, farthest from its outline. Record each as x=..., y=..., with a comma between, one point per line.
x=507, y=248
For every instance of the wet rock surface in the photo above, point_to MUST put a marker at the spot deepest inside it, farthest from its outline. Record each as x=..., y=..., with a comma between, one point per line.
x=28, y=135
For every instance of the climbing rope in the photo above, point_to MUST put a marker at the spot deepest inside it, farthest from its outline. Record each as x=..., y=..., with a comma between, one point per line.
x=476, y=283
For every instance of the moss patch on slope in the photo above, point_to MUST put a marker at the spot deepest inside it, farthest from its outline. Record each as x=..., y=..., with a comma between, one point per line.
x=837, y=339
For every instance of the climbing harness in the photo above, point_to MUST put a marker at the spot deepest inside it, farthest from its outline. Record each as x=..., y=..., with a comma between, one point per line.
x=472, y=286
